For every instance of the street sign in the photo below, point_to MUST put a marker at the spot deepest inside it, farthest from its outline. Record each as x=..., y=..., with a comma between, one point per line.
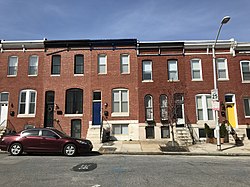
x=216, y=105
x=214, y=94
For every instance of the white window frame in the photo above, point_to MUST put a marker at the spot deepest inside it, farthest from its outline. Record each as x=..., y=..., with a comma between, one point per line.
x=27, y=103
x=149, y=107
x=248, y=99
x=101, y=64
x=244, y=81
x=175, y=70
x=164, y=107
x=120, y=101
x=204, y=107
x=36, y=66
x=195, y=60
x=226, y=68
x=15, y=67
x=144, y=70
x=125, y=63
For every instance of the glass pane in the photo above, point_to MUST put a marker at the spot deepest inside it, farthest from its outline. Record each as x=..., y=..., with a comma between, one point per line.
x=124, y=107
x=32, y=97
x=172, y=65
x=195, y=65
x=147, y=76
x=210, y=114
x=116, y=129
x=102, y=69
x=222, y=74
x=200, y=114
x=4, y=96
x=147, y=66
x=22, y=108
x=209, y=102
x=116, y=107
x=246, y=76
x=124, y=129
x=97, y=96
x=23, y=97
x=102, y=60
x=124, y=96
x=196, y=74
x=199, y=102
x=124, y=68
x=32, y=108
x=116, y=96
x=13, y=61
x=173, y=75
x=33, y=61
x=221, y=65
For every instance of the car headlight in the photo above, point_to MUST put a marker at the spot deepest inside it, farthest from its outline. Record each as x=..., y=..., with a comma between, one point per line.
x=82, y=142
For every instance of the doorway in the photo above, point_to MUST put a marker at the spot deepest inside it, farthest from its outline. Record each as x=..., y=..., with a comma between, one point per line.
x=96, y=108
x=4, y=99
x=49, y=109
x=231, y=110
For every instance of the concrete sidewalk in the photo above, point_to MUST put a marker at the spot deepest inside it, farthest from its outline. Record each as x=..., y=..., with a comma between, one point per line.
x=151, y=147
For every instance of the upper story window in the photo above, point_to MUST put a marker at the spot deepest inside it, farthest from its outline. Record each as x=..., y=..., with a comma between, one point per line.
x=196, y=70
x=56, y=65
x=33, y=65
x=247, y=107
x=12, y=66
x=147, y=70
x=222, y=70
x=124, y=63
x=164, y=107
x=74, y=101
x=79, y=65
x=102, y=64
x=149, y=115
x=27, y=103
x=245, y=71
x=204, y=107
x=172, y=70
x=120, y=102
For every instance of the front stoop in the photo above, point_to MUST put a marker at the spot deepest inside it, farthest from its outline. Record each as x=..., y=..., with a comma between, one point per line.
x=183, y=136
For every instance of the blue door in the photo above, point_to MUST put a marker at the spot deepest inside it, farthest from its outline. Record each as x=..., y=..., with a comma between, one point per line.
x=96, y=117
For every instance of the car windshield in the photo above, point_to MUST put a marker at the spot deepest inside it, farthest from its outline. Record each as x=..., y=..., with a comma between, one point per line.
x=60, y=133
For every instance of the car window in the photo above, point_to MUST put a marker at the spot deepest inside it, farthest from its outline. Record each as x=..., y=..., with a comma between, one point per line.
x=48, y=134
x=30, y=133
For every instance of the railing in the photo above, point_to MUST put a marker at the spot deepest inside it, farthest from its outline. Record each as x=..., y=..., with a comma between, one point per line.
x=231, y=131
x=192, y=132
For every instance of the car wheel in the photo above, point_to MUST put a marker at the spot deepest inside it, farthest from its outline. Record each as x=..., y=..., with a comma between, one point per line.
x=69, y=150
x=16, y=149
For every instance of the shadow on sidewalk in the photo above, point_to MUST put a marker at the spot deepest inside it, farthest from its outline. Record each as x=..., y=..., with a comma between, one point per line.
x=173, y=148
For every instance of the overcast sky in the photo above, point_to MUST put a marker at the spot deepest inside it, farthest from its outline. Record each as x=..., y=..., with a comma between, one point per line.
x=145, y=20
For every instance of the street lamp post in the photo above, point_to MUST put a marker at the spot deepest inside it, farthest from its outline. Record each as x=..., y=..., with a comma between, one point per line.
x=224, y=21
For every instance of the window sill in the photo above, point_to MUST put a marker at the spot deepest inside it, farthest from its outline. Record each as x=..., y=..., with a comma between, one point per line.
x=55, y=75
x=117, y=114
x=247, y=117
x=73, y=115
x=26, y=115
x=173, y=80
x=147, y=81
x=78, y=75
x=11, y=76
x=32, y=75
x=245, y=82
x=197, y=80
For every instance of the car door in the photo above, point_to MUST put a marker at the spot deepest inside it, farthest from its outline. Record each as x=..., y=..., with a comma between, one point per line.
x=50, y=141
x=31, y=140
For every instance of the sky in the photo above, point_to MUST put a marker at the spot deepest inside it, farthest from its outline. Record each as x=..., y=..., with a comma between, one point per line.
x=145, y=20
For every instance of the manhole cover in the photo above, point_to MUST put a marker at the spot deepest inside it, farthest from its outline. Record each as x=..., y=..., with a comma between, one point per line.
x=84, y=167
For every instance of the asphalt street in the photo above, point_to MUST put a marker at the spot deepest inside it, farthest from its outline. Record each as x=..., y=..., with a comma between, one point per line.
x=123, y=170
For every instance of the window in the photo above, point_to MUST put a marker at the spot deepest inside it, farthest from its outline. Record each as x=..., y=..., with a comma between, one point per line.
x=164, y=107
x=120, y=101
x=12, y=67
x=247, y=107
x=33, y=65
x=4, y=97
x=147, y=70
x=204, y=107
x=49, y=134
x=74, y=101
x=222, y=68
x=124, y=63
x=149, y=108
x=79, y=64
x=102, y=64
x=27, y=102
x=56, y=65
x=245, y=70
x=120, y=129
x=28, y=133
x=172, y=70
x=196, y=69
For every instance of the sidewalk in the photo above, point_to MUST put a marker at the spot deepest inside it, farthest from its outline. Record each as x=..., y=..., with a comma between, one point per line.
x=151, y=147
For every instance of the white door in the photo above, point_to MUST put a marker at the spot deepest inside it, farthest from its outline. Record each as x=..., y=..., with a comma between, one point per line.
x=4, y=97
x=3, y=114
